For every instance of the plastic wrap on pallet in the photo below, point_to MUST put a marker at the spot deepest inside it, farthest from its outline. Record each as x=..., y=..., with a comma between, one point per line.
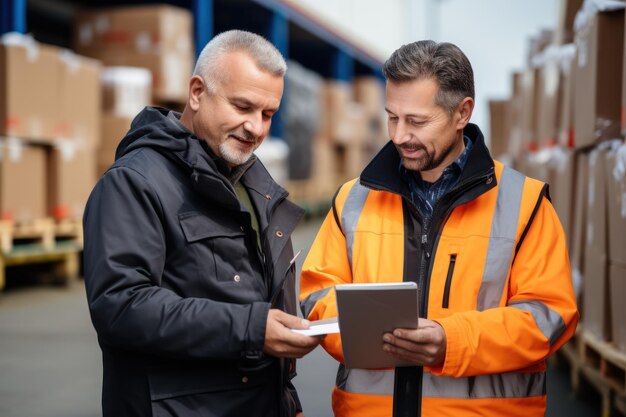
x=301, y=117
x=591, y=7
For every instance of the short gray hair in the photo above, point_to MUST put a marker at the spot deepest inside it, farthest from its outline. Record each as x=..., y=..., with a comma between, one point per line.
x=266, y=56
x=443, y=62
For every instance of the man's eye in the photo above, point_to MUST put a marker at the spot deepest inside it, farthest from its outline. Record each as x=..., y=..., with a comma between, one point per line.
x=242, y=108
x=416, y=123
x=393, y=119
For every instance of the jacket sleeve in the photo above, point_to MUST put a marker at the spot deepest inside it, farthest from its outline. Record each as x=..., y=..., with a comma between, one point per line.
x=325, y=266
x=124, y=258
x=540, y=314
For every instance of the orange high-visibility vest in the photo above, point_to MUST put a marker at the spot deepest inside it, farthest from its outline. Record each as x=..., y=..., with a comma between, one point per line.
x=498, y=282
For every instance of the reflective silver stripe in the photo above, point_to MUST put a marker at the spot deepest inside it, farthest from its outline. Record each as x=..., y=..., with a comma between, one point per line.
x=306, y=306
x=351, y=212
x=363, y=381
x=502, y=239
x=549, y=321
x=505, y=385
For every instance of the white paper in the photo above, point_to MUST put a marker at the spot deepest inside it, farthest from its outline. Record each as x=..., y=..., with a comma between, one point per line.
x=320, y=327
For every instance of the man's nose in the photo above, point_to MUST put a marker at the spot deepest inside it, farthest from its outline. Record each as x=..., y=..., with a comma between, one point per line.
x=254, y=125
x=400, y=133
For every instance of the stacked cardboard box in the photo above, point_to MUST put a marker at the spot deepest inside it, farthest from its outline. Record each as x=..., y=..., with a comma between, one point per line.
x=598, y=73
x=567, y=106
x=157, y=37
x=616, y=207
x=50, y=111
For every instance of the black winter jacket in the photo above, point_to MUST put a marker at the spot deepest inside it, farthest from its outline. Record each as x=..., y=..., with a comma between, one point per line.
x=178, y=291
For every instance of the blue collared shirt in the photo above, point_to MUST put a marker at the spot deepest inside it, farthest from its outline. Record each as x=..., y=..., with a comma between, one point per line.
x=425, y=195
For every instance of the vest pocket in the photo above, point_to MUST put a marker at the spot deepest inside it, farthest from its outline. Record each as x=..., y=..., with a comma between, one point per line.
x=446, y=290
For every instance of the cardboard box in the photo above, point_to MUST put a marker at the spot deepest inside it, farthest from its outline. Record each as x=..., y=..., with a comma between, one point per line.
x=596, y=314
x=564, y=32
x=548, y=89
x=530, y=108
x=369, y=92
x=498, y=135
x=514, y=117
x=335, y=99
x=617, y=278
x=139, y=29
x=566, y=104
x=600, y=45
x=126, y=90
x=71, y=177
x=114, y=128
x=616, y=176
x=80, y=98
x=562, y=191
x=579, y=226
x=29, y=88
x=352, y=128
x=22, y=181
x=170, y=70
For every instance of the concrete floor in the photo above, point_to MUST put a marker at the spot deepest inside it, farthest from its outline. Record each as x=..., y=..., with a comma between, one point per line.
x=50, y=364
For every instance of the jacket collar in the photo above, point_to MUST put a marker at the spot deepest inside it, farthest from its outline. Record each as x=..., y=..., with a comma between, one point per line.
x=382, y=172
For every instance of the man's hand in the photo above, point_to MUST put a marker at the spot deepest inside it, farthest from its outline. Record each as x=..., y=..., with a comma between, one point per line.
x=283, y=343
x=424, y=346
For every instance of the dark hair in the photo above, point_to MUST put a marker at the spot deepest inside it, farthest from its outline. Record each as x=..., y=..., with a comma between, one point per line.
x=443, y=62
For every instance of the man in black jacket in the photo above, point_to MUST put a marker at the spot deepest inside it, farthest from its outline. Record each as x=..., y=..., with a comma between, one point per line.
x=188, y=260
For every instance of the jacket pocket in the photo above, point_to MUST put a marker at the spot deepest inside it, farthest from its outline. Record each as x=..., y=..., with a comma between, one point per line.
x=209, y=392
x=219, y=245
x=446, y=290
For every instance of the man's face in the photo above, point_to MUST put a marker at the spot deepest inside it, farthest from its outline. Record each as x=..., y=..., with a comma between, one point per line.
x=236, y=115
x=426, y=136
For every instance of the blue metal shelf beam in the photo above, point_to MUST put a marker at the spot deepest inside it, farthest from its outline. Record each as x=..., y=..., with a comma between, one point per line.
x=342, y=66
x=12, y=16
x=278, y=34
x=203, y=23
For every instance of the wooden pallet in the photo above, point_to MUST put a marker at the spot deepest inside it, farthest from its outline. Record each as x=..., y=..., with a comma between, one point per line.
x=40, y=231
x=58, y=265
x=603, y=356
x=43, y=232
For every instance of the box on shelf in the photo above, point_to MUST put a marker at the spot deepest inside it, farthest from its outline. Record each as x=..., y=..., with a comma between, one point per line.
x=548, y=89
x=22, y=181
x=335, y=99
x=369, y=91
x=514, y=117
x=617, y=277
x=596, y=313
x=71, y=177
x=498, y=137
x=114, y=128
x=126, y=90
x=598, y=73
x=529, y=108
x=566, y=105
x=29, y=88
x=563, y=189
x=352, y=128
x=616, y=176
x=171, y=71
x=142, y=29
x=80, y=98
x=564, y=32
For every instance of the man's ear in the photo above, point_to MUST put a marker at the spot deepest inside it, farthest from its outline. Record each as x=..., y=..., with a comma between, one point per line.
x=196, y=89
x=464, y=112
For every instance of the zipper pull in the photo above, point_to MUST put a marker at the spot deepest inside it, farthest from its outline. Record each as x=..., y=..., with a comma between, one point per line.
x=424, y=244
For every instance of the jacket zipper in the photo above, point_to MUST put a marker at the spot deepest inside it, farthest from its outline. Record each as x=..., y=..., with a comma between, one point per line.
x=446, y=290
x=429, y=233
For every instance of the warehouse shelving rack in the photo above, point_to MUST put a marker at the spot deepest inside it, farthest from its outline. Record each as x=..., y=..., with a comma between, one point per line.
x=297, y=34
